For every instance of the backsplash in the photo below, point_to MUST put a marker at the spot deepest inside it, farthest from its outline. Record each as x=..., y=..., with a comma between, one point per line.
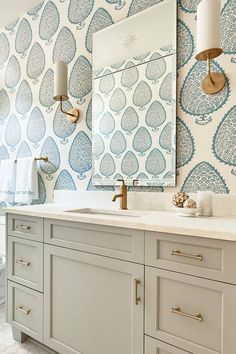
x=31, y=124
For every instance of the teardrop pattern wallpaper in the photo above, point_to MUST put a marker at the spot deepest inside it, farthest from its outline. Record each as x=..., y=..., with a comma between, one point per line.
x=31, y=124
x=145, y=91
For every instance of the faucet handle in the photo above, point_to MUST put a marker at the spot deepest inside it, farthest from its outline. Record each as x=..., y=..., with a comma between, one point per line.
x=121, y=180
x=135, y=182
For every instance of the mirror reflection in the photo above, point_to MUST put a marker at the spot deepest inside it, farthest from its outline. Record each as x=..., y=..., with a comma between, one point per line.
x=134, y=99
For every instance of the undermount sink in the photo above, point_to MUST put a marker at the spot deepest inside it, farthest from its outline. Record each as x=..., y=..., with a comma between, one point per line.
x=92, y=211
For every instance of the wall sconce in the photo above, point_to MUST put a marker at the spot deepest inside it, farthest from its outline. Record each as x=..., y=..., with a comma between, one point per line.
x=60, y=89
x=208, y=42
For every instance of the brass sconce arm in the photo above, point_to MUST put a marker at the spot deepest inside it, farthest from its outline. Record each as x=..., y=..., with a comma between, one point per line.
x=72, y=115
x=209, y=69
x=214, y=81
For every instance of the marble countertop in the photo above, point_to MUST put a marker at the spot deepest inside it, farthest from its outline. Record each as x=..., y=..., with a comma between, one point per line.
x=222, y=228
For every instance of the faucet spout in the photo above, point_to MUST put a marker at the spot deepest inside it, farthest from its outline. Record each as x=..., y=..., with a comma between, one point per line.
x=117, y=196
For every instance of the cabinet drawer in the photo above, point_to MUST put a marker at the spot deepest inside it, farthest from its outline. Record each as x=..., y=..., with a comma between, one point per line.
x=190, y=313
x=27, y=227
x=211, y=259
x=25, y=310
x=25, y=262
x=115, y=242
x=154, y=346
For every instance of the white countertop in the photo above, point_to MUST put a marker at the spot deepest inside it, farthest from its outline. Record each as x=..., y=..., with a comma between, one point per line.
x=223, y=228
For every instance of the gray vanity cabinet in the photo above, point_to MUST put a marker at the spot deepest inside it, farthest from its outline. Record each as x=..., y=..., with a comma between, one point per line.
x=81, y=288
x=76, y=287
x=93, y=304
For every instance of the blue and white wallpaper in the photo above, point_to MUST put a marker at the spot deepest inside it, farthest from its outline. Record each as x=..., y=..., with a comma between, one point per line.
x=31, y=124
x=134, y=122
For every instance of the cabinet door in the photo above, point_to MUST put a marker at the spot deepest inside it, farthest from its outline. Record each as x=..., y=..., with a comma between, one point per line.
x=93, y=304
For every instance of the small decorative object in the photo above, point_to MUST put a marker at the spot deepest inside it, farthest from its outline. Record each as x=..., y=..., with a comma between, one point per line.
x=60, y=90
x=190, y=203
x=209, y=42
x=184, y=206
x=187, y=211
x=179, y=199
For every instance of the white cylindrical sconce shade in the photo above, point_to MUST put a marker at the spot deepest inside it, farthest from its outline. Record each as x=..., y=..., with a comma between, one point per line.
x=208, y=29
x=60, y=81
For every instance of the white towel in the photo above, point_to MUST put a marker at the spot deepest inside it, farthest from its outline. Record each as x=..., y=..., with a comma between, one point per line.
x=26, y=181
x=7, y=180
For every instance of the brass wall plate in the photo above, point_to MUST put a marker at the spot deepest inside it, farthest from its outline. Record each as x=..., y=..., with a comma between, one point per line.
x=213, y=83
x=75, y=117
x=209, y=54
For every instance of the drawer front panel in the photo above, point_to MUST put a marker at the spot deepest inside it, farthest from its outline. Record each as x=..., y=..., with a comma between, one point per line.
x=126, y=244
x=190, y=313
x=153, y=346
x=27, y=227
x=25, y=310
x=25, y=262
x=211, y=259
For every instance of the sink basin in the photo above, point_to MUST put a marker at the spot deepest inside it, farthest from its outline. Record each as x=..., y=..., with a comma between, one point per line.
x=92, y=211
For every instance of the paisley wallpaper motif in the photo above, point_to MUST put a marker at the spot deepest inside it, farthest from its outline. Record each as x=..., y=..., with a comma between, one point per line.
x=140, y=94
x=31, y=124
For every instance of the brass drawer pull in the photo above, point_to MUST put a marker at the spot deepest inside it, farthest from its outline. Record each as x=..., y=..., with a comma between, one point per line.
x=178, y=311
x=21, y=309
x=20, y=261
x=136, y=297
x=187, y=255
x=23, y=227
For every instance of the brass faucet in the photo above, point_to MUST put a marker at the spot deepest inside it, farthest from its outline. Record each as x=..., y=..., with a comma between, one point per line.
x=122, y=195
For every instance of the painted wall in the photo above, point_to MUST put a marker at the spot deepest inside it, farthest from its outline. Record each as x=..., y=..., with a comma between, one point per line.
x=30, y=123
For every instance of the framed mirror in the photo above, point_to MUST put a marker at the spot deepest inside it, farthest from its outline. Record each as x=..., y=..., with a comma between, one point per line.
x=134, y=99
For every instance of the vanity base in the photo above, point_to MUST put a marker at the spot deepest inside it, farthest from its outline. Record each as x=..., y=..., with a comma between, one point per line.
x=111, y=268
x=18, y=335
